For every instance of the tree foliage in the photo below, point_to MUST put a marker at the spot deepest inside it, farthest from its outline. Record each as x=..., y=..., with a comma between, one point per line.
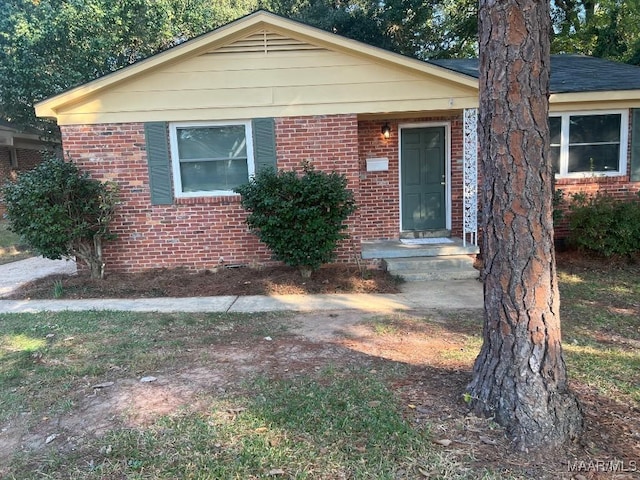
x=602, y=28
x=61, y=212
x=299, y=217
x=417, y=28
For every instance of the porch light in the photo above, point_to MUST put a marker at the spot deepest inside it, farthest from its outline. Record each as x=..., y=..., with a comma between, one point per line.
x=386, y=130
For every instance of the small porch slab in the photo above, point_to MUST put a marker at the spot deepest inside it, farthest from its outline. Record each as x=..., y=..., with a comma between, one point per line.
x=448, y=260
x=381, y=249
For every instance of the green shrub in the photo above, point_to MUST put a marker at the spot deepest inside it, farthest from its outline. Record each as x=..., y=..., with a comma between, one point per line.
x=299, y=217
x=61, y=212
x=605, y=225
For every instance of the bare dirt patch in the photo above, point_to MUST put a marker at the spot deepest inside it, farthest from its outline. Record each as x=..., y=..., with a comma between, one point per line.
x=435, y=365
x=276, y=280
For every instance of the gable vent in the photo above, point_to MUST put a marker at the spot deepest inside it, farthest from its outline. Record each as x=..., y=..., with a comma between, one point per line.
x=265, y=42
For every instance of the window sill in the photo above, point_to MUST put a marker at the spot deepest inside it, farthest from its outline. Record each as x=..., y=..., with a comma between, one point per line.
x=592, y=178
x=209, y=200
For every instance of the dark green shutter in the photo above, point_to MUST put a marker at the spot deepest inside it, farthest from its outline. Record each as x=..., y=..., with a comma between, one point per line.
x=635, y=145
x=159, y=163
x=264, y=143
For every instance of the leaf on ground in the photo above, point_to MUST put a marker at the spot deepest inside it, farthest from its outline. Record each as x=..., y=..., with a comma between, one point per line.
x=424, y=472
x=236, y=410
x=445, y=442
x=487, y=440
x=103, y=385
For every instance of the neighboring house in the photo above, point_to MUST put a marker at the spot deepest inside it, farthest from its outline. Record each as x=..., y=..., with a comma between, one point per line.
x=20, y=150
x=180, y=130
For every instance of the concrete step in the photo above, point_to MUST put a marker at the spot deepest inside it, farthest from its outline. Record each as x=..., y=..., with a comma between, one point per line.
x=425, y=234
x=395, y=249
x=450, y=267
x=439, y=275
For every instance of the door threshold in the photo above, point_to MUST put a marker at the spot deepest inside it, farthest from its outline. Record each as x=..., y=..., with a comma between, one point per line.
x=441, y=233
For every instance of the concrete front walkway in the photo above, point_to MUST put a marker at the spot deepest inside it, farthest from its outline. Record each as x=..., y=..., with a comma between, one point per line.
x=439, y=295
x=14, y=274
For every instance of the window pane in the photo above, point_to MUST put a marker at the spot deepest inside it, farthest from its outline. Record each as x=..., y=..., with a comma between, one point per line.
x=226, y=141
x=213, y=175
x=594, y=158
x=594, y=128
x=555, y=130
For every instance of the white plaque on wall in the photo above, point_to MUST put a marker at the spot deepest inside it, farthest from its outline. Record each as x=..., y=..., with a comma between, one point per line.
x=377, y=164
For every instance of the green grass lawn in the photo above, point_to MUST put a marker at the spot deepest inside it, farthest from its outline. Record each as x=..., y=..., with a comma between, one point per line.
x=335, y=421
x=238, y=410
x=11, y=248
x=601, y=328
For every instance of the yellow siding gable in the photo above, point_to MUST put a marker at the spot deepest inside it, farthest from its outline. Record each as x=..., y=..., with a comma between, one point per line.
x=267, y=72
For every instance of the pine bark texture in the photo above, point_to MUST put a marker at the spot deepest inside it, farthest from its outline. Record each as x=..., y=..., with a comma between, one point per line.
x=519, y=376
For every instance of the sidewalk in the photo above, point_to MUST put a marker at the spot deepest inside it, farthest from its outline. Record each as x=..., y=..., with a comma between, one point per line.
x=14, y=274
x=439, y=295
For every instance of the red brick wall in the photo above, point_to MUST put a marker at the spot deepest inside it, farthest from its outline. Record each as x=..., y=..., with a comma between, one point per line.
x=379, y=210
x=379, y=205
x=329, y=143
x=198, y=233
x=192, y=233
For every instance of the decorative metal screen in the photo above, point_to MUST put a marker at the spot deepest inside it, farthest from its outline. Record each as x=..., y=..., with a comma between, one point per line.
x=470, y=177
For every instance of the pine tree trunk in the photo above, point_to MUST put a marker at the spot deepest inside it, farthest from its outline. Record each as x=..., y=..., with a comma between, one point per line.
x=519, y=375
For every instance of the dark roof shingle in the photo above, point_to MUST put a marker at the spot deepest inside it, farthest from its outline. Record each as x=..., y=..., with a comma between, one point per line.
x=570, y=73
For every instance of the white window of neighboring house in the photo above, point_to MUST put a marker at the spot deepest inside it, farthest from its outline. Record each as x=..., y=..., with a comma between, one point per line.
x=589, y=143
x=211, y=159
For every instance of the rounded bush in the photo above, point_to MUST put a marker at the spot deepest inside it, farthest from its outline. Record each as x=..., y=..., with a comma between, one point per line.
x=299, y=217
x=605, y=225
x=61, y=212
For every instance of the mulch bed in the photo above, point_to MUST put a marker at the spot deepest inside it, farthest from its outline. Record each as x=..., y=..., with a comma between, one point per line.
x=276, y=280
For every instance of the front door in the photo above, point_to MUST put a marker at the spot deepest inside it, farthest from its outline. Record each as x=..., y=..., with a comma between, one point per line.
x=423, y=178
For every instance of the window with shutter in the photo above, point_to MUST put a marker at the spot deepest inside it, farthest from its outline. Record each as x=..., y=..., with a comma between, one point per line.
x=213, y=158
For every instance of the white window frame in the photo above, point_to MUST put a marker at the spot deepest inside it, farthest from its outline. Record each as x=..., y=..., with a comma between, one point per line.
x=564, y=143
x=175, y=159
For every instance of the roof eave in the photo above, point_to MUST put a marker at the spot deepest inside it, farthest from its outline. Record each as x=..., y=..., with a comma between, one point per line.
x=594, y=96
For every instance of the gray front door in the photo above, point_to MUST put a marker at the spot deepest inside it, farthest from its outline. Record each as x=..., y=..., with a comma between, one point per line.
x=423, y=176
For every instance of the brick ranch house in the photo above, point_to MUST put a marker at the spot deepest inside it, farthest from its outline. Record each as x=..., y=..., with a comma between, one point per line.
x=179, y=130
x=20, y=150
